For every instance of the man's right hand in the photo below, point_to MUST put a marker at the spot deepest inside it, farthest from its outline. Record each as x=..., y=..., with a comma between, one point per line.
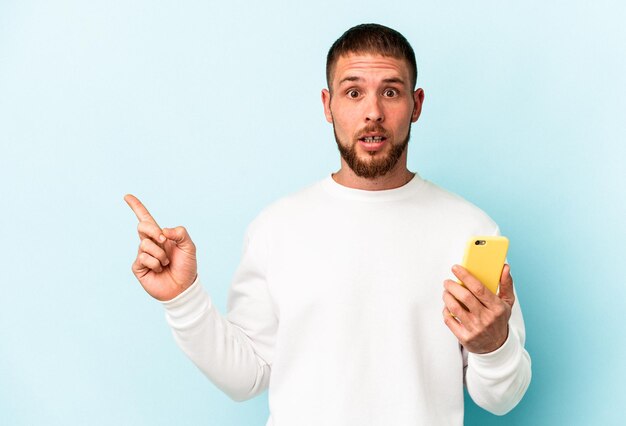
x=166, y=262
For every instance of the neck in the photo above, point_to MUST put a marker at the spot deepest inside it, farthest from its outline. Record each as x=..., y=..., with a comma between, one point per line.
x=395, y=178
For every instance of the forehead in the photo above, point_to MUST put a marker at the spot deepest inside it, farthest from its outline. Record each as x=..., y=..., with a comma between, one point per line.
x=370, y=67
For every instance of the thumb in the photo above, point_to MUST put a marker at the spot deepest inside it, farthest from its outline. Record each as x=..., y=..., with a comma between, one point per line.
x=180, y=237
x=506, y=293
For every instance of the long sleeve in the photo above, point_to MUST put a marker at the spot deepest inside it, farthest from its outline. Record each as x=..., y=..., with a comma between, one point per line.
x=233, y=351
x=497, y=381
x=337, y=297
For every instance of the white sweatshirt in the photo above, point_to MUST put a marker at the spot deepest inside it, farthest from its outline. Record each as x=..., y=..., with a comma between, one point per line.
x=337, y=307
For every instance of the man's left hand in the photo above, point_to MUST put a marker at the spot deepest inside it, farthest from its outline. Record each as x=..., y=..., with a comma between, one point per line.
x=481, y=326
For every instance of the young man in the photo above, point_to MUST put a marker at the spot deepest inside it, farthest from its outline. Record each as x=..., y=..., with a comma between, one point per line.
x=336, y=305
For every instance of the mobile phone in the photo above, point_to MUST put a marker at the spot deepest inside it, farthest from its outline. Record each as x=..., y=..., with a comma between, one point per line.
x=484, y=258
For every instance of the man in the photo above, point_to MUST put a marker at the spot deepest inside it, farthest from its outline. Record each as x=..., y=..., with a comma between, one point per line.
x=336, y=305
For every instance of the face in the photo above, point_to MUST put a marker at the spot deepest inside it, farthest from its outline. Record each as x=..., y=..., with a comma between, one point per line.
x=371, y=105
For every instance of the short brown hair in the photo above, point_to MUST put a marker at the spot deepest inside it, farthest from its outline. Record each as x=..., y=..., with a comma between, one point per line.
x=372, y=38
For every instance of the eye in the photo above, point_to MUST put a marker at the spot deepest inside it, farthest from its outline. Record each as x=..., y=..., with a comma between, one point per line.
x=353, y=94
x=390, y=93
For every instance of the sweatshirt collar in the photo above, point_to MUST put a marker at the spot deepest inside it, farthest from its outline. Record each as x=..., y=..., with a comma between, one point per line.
x=401, y=192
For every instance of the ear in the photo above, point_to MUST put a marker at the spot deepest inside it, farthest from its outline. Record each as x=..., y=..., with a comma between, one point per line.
x=418, y=98
x=326, y=103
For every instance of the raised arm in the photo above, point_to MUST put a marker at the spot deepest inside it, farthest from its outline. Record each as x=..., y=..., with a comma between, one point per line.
x=232, y=352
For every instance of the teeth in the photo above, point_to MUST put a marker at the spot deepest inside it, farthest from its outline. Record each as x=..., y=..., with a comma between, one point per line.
x=373, y=139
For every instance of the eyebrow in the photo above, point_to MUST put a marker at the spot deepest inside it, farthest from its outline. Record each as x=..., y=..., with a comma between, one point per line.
x=386, y=80
x=393, y=80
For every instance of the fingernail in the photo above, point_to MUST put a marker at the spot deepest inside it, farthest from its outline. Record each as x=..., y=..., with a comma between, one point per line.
x=167, y=262
x=455, y=268
x=162, y=238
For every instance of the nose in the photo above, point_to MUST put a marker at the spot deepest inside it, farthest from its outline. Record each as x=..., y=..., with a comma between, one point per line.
x=374, y=111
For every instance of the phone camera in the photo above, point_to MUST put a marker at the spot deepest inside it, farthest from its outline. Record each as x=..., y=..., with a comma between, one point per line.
x=480, y=242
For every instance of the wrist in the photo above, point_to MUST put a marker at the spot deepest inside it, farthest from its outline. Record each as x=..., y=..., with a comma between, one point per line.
x=500, y=356
x=498, y=344
x=188, y=306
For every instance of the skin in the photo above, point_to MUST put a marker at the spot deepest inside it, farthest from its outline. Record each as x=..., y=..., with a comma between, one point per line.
x=166, y=262
x=367, y=90
x=484, y=326
x=372, y=90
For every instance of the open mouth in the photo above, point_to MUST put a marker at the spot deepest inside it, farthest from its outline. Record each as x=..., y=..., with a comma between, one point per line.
x=372, y=143
x=372, y=139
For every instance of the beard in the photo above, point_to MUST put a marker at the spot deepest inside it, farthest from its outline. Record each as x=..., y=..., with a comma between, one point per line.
x=374, y=166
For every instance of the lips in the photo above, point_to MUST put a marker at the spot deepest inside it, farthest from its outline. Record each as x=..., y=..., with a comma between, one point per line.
x=372, y=140
x=372, y=143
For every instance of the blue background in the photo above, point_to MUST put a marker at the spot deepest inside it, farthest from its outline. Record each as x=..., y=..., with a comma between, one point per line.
x=208, y=111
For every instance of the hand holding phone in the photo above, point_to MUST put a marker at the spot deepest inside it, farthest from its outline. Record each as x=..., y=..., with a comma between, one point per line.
x=478, y=318
x=484, y=258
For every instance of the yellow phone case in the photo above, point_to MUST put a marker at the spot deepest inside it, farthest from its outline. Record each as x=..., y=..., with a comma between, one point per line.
x=484, y=258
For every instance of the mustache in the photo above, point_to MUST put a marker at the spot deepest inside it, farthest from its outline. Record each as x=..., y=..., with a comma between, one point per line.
x=373, y=128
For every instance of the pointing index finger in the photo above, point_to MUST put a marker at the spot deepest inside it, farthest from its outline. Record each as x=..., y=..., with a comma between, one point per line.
x=140, y=211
